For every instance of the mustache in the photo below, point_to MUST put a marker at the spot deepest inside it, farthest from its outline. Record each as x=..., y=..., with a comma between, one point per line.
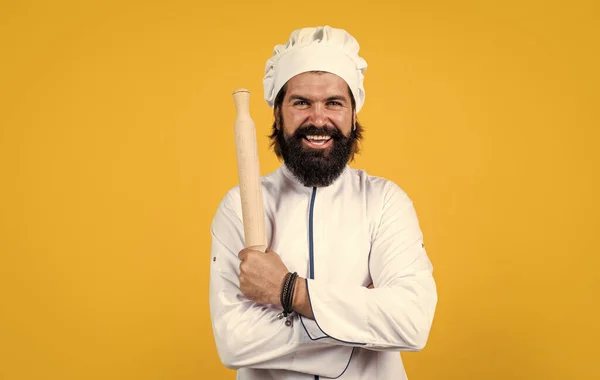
x=313, y=130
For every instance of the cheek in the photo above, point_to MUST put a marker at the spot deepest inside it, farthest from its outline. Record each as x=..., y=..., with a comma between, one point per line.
x=289, y=128
x=291, y=122
x=344, y=123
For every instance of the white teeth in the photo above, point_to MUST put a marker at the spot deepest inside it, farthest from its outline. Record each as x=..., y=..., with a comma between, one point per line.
x=324, y=138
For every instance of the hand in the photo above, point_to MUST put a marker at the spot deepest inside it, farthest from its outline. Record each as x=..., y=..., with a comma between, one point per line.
x=261, y=275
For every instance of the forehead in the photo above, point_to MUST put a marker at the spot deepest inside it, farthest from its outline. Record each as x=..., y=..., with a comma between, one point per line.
x=317, y=85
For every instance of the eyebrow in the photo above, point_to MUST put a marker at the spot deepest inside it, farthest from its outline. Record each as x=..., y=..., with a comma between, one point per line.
x=329, y=99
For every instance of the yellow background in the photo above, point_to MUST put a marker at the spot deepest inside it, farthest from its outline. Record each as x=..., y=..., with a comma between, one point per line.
x=116, y=146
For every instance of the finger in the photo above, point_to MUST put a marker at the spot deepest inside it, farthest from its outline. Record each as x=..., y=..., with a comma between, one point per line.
x=243, y=255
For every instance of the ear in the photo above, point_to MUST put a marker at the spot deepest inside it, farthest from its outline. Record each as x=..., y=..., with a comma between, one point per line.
x=354, y=121
x=277, y=113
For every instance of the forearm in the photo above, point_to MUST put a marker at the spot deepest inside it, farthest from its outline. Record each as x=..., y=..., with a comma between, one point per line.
x=249, y=334
x=395, y=317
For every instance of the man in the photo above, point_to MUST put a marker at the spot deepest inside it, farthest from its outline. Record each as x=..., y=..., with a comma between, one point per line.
x=364, y=290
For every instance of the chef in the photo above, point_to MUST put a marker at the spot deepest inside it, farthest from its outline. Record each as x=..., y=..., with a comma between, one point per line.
x=345, y=284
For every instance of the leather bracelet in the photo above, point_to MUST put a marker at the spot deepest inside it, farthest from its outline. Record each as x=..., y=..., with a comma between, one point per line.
x=291, y=291
x=284, y=290
x=286, y=298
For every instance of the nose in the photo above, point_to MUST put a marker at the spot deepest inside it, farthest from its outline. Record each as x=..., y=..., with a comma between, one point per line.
x=318, y=116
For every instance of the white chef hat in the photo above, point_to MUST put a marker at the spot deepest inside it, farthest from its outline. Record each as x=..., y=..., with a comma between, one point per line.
x=316, y=49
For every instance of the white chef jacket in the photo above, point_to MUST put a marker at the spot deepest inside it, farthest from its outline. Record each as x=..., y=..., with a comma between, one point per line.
x=359, y=230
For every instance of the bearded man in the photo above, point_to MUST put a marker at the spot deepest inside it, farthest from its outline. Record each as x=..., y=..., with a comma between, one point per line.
x=346, y=264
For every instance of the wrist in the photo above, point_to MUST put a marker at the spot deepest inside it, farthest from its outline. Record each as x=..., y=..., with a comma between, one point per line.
x=300, y=291
x=288, y=290
x=278, y=291
x=301, y=303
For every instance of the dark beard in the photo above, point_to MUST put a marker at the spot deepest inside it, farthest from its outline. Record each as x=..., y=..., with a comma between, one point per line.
x=315, y=167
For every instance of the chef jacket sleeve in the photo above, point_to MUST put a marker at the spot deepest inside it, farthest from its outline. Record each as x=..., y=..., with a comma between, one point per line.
x=248, y=334
x=398, y=313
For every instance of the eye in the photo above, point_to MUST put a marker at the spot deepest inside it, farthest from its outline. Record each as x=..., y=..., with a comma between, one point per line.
x=334, y=103
x=301, y=104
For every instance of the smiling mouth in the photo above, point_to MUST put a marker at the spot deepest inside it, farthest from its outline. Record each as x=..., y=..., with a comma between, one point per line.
x=317, y=140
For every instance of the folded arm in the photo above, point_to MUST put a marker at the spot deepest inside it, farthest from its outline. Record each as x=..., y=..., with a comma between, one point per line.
x=398, y=313
x=249, y=334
